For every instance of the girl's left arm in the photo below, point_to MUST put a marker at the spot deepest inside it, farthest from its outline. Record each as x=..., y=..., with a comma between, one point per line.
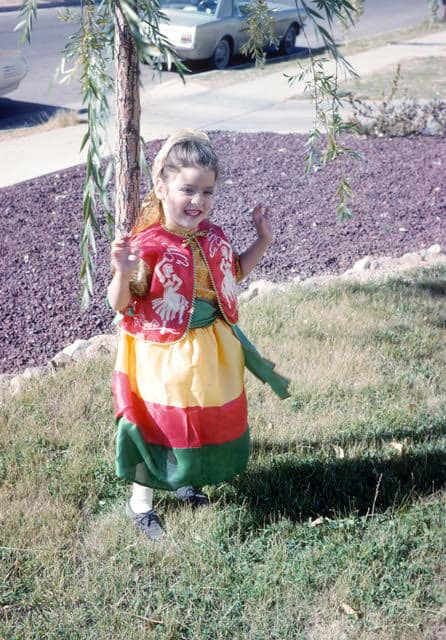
x=251, y=256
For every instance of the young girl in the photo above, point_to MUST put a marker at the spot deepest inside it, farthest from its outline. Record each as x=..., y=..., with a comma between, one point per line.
x=178, y=381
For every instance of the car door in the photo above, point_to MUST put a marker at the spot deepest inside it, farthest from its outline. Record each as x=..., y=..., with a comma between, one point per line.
x=231, y=22
x=240, y=10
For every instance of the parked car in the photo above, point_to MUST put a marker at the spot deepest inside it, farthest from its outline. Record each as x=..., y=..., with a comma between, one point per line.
x=13, y=69
x=215, y=30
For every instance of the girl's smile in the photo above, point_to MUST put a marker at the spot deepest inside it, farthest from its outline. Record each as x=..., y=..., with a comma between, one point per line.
x=187, y=197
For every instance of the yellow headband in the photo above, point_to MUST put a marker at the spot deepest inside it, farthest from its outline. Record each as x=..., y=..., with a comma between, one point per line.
x=180, y=136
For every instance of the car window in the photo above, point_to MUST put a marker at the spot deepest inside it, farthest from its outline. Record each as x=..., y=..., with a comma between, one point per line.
x=201, y=6
x=241, y=8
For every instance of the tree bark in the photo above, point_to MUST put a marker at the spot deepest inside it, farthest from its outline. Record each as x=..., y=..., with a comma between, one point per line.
x=128, y=112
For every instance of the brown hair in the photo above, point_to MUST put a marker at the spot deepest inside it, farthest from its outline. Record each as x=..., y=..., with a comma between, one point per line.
x=186, y=148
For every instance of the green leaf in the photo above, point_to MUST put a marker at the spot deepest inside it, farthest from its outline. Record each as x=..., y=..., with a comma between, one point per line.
x=91, y=238
x=20, y=25
x=85, y=140
x=89, y=281
x=328, y=38
x=312, y=12
x=344, y=213
x=85, y=298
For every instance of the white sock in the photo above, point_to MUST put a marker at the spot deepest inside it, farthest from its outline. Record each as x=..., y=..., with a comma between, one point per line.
x=142, y=498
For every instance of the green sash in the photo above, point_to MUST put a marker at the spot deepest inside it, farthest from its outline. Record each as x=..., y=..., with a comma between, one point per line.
x=205, y=314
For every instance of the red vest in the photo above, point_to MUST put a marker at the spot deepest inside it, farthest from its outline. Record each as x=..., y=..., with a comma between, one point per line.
x=165, y=312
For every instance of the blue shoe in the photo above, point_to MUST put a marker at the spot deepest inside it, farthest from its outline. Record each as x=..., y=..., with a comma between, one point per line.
x=148, y=522
x=193, y=497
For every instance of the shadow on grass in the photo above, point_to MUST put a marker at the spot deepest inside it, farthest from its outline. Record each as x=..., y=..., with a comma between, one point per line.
x=436, y=288
x=429, y=430
x=301, y=489
x=430, y=280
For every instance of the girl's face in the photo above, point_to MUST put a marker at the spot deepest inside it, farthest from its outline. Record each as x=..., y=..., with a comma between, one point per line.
x=187, y=197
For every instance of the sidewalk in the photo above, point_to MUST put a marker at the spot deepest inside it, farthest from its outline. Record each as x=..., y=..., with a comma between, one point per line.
x=259, y=102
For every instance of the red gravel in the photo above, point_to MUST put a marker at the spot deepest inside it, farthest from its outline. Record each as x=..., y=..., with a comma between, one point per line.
x=399, y=205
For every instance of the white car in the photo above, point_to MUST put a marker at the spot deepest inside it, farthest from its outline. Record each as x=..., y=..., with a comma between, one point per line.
x=13, y=69
x=216, y=29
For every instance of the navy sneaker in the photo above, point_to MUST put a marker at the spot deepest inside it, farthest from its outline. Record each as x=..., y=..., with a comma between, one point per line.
x=148, y=522
x=193, y=497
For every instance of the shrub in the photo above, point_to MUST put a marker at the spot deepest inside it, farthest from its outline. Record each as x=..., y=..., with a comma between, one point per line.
x=398, y=117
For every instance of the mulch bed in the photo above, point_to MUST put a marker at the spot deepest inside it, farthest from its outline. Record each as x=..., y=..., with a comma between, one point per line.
x=399, y=206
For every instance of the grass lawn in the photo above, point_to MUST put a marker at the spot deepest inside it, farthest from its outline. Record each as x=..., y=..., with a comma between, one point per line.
x=423, y=78
x=335, y=531
x=391, y=37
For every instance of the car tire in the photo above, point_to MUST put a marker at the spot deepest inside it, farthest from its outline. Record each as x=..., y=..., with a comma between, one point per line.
x=222, y=54
x=288, y=42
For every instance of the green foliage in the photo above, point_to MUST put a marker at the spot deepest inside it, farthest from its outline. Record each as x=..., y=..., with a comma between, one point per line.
x=88, y=54
x=87, y=57
x=27, y=15
x=395, y=116
x=90, y=51
x=323, y=86
x=434, y=8
x=261, y=28
x=152, y=48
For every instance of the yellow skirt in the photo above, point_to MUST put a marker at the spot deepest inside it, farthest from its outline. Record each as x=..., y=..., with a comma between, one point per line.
x=181, y=409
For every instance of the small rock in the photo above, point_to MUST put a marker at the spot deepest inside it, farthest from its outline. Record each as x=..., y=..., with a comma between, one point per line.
x=433, y=128
x=258, y=288
x=362, y=265
x=97, y=337
x=109, y=339
x=17, y=383
x=94, y=350
x=5, y=379
x=60, y=360
x=77, y=349
x=35, y=372
x=410, y=259
x=5, y=385
x=313, y=282
x=434, y=250
x=107, y=344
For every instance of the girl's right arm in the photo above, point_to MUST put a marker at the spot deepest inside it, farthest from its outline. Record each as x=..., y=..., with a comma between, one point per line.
x=124, y=260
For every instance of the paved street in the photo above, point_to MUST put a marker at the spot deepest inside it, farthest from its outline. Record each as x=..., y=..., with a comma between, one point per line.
x=40, y=93
x=238, y=99
x=262, y=102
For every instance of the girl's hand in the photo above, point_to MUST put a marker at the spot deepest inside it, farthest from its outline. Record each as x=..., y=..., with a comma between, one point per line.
x=124, y=256
x=262, y=223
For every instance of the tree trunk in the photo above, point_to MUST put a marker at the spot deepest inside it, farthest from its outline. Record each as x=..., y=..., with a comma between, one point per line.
x=128, y=112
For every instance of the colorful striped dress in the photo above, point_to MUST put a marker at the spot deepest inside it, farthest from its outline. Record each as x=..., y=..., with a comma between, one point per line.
x=181, y=407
